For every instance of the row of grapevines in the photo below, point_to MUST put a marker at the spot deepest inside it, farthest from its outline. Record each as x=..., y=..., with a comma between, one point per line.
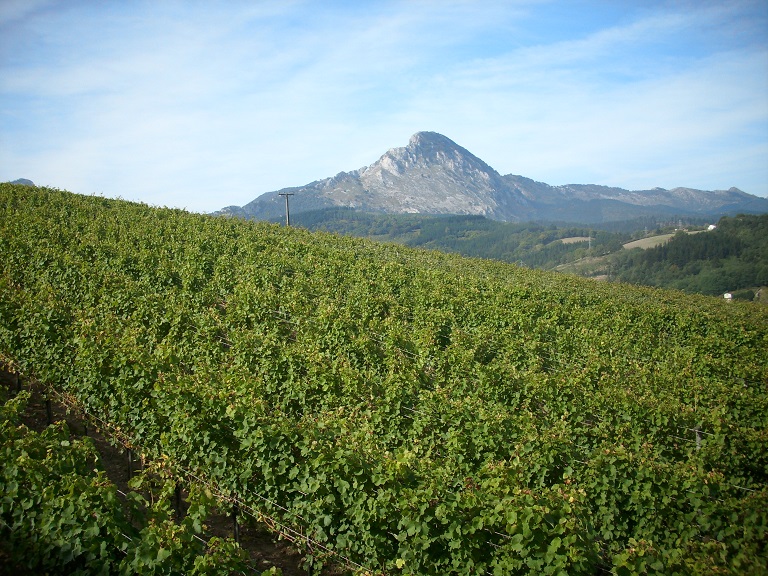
x=60, y=513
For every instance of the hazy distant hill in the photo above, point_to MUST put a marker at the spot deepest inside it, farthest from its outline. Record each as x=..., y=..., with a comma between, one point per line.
x=23, y=181
x=434, y=175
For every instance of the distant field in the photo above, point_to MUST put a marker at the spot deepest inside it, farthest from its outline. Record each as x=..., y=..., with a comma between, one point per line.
x=650, y=242
x=654, y=241
x=574, y=239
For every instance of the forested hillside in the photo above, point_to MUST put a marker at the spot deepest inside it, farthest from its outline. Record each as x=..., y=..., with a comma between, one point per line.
x=732, y=257
x=396, y=411
x=532, y=244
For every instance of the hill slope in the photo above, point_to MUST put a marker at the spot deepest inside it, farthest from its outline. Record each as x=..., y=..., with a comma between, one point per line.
x=400, y=410
x=434, y=175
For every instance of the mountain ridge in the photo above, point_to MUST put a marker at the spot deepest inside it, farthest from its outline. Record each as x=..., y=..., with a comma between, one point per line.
x=434, y=175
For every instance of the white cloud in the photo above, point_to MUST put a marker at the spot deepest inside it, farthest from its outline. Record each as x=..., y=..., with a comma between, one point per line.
x=203, y=106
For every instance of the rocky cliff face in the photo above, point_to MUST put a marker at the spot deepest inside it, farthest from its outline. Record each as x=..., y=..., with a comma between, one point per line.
x=434, y=175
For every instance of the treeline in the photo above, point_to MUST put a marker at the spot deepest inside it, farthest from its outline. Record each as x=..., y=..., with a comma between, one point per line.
x=532, y=244
x=729, y=258
x=350, y=222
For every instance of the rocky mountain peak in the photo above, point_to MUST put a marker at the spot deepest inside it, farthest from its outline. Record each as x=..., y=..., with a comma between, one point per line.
x=430, y=151
x=432, y=174
x=434, y=147
x=428, y=141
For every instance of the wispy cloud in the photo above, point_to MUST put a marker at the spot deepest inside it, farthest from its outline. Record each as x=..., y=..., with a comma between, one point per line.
x=606, y=108
x=201, y=106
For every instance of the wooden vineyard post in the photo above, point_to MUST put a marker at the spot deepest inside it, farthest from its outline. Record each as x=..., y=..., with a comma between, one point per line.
x=235, y=525
x=177, y=499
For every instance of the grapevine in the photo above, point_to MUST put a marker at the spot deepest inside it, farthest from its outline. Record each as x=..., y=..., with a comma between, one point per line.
x=414, y=412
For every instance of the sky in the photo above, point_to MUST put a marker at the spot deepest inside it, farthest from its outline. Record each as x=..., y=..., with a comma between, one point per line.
x=201, y=105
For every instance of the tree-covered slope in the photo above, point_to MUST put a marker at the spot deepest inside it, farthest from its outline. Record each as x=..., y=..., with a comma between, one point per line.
x=404, y=411
x=733, y=256
x=532, y=244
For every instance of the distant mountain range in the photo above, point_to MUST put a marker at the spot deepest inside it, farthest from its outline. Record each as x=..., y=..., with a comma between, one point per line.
x=434, y=175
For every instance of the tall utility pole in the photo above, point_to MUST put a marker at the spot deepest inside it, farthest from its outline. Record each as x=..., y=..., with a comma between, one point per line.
x=287, y=212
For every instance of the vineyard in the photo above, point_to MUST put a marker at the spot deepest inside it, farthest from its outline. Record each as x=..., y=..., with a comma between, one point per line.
x=393, y=410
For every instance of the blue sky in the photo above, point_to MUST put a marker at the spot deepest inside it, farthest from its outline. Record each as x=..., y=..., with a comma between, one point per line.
x=201, y=105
